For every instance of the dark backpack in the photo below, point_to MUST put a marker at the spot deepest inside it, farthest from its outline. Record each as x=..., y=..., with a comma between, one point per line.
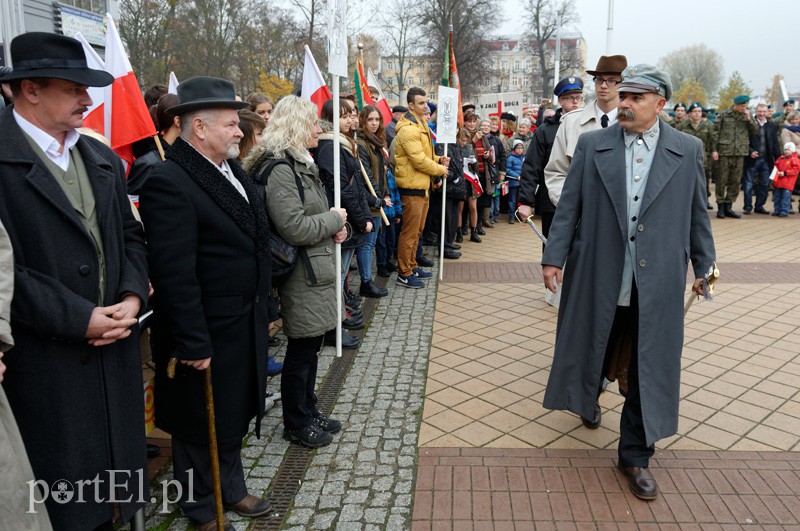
x=284, y=254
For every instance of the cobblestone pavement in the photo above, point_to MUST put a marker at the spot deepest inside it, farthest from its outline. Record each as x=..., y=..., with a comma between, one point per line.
x=365, y=478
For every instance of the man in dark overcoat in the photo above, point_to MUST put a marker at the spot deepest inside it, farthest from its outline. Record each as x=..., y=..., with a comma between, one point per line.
x=74, y=376
x=631, y=216
x=208, y=237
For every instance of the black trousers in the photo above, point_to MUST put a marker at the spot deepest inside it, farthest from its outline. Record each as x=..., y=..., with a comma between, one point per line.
x=192, y=468
x=633, y=449
x=451, y=219
x=298, y=378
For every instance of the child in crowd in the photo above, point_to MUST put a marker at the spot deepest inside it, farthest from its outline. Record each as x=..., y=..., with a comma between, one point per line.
x=787, y=167
x=513, y=171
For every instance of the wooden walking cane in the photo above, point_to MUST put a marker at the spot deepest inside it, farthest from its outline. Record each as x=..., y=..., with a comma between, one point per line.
x=212, y=440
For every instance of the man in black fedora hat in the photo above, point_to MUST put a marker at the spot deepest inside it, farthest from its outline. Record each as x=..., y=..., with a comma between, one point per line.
x=598, y=114
x=74, y=376
x=210, y=265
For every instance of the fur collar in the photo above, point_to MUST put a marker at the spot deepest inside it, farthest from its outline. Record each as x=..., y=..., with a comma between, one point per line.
x=252, y=217
x=345, y=142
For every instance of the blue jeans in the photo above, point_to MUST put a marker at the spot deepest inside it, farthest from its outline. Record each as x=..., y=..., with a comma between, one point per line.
x=495, y=209
x=782, y=201
x=386, y=245
x=513, y=193
x=347, y=257
x=364, y=253
x=756, y=176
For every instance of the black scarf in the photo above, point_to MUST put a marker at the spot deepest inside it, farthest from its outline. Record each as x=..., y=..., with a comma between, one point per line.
x=252, y=217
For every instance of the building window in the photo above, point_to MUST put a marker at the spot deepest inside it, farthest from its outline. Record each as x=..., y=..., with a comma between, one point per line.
x=516, y=64
x=527, y=64
x=94, y=6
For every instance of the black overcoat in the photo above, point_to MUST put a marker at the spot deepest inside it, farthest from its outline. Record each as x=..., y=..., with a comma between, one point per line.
x=210, y=267
x=80, y=408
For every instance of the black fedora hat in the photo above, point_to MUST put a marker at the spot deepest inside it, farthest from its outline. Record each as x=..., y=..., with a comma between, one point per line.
x=204, y=92
x=38, y=54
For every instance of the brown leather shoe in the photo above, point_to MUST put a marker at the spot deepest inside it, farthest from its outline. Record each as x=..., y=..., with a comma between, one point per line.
x=594, y=422
x=250, y=507
x=212, y=526
x=641, y=482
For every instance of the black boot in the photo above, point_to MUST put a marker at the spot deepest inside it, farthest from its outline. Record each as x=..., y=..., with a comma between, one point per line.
x=479, y=229
x=720, y=210
x=729, y=213
x=464, y=229
x=369, y=289
x=473, y=237
x=459, y=236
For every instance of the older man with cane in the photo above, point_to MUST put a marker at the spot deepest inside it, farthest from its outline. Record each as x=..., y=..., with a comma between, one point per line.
x=210, y=265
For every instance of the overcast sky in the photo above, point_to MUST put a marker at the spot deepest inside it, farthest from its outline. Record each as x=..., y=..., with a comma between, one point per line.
x=646, y=31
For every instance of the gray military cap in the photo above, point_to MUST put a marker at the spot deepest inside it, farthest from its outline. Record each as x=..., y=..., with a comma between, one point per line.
x=646, y=78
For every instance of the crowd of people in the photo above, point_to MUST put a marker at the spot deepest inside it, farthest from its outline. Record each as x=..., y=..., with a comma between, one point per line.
x=237, y=227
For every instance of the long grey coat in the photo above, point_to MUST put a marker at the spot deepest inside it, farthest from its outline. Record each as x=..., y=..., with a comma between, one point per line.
x=589, y=233
x=307, y=309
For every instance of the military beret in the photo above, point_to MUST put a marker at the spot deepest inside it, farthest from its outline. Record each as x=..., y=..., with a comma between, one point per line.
x=769, y=106
x=694, y=106
x=568, y=85
x=741, y=98
x=399, y=108
x=788, y=102
x=644, y=78
x=679, y=105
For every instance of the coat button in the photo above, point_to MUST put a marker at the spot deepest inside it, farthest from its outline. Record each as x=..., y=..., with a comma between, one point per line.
x=640, y=228
x=85, y=359
x=633, y=238
x=327, y=249
x=642, y=263
x=84, y=270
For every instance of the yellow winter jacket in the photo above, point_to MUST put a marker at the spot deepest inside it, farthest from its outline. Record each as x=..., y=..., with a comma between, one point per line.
x=415, y=162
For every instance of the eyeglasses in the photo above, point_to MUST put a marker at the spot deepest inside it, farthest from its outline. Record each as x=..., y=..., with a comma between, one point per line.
x=610, y=82
x=575, y=99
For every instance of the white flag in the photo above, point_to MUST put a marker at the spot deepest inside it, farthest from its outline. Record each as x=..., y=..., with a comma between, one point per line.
x=337, y=38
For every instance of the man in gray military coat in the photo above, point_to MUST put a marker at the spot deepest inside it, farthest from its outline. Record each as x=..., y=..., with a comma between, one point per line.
x=631, y=216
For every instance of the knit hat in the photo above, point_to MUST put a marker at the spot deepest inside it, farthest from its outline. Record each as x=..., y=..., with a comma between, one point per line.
x=519, y=142
x=790, y=146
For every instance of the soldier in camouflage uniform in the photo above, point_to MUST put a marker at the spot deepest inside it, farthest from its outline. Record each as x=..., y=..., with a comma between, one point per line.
x=780, y=119
x=705, y=131
x=680, y=115
x=734, y=127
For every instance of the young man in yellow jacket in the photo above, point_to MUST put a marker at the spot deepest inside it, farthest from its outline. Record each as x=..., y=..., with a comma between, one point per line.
x=416, y=166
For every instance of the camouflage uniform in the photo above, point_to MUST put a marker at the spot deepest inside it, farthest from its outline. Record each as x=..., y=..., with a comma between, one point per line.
x=732, y=145
x=779, y=122
x=707, y=134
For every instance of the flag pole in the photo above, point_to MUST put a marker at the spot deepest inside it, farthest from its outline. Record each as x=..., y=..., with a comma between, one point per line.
x=444, y=214
x=337, y=202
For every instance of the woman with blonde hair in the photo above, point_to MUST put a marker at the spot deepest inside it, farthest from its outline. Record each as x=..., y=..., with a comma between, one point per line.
x=299, y=213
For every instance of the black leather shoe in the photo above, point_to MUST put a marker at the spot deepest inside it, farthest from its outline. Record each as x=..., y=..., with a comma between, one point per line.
x=452, y=246
x=250, y=507
x=641, y=482
x=474, y=236
x=153, y=451
x=369, y=289
x=348, y=341
x=452, y=255
x=747, y=212
x=761, y=210
x=459, y=236
x=353, y=323
x=479, y=230
x=383, y=272
x=423, y=261
x=720, y=210
x=464, y=230
x=312, y=436
x=594, y=422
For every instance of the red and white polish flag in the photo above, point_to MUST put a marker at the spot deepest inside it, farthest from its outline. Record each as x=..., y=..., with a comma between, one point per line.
x=314, y=87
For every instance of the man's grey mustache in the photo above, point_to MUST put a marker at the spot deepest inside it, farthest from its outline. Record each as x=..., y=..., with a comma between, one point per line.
x=625, y=114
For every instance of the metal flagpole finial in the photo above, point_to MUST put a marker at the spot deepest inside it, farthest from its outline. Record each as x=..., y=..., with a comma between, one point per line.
x=360, y=45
